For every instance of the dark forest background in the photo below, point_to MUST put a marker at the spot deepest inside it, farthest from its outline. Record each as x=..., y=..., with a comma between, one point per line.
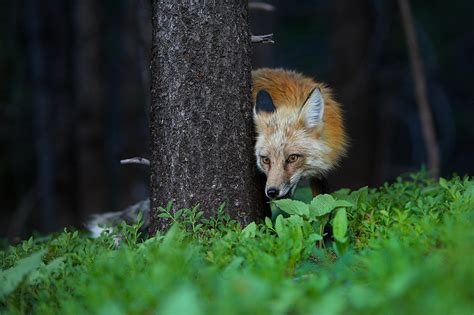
x=74, y=95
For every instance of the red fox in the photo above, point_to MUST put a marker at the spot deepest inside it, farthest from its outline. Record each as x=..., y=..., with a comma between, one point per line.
x=300, y=131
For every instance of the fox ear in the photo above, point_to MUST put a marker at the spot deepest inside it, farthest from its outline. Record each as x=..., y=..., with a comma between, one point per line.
x=313, y=109
x=264, y=103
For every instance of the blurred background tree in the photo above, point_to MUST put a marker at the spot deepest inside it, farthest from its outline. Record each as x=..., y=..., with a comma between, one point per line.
x=74, y=95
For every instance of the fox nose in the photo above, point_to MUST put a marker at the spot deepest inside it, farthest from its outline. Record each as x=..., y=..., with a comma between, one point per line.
x=272, y=192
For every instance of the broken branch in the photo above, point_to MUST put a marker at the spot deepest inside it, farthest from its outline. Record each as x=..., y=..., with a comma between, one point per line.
x=261, y=6
x=263, y=39
x=136, y=160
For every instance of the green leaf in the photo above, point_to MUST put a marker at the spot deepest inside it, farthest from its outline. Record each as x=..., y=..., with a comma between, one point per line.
x=468, y=195
x=443, y=183
x=234, y=265
x=341, y=193
x=315, y=237
x=340, y=226
x=279, y=226
x=199, y=215
x=110, y=308
x=343, y=203
x=184, y=300
x=172, y=237
x=12, y=277
x=268, y=222
x=359, y=196
x=321, y=205
x=39, y=274
x=250, y=230
x=178, y=214
x=340, y=248
x=292, y=206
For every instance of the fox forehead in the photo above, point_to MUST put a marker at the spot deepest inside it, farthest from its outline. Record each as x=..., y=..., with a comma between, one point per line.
x=283, y=140
x=280, y=134
x=289, y=142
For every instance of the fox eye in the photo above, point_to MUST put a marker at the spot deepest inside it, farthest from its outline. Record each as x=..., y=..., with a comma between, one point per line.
x=292, y=158
x=265, y=160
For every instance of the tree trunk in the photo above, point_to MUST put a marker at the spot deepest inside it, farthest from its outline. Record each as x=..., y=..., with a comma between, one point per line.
x=350, y=76
x=89, y=96
x=201, y=114
x=43, y=109
x=421, y=94
x=63, y=122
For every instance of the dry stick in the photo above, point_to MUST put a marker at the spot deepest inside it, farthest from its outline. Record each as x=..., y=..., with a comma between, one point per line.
x=263, y=39
x=261, y=6
x=426, y=117
x=136, y=160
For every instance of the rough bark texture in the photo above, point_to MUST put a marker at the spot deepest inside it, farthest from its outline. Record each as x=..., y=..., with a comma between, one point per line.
x=201, y=114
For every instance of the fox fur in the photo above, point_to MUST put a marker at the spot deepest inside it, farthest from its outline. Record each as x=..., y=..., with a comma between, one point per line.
x=294, y=116
x=297, y=119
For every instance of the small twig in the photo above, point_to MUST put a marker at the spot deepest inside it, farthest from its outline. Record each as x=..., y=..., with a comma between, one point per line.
x=263, y=39
x=427, y=122
x=136, y=160
x=261, y=6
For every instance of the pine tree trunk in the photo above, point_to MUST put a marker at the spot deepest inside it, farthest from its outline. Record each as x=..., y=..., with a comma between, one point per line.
x=89, y=98
x=351, y=27
x=43, y=109
x=201, y=113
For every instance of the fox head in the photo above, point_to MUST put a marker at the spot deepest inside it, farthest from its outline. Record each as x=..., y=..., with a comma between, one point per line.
x=289, y=142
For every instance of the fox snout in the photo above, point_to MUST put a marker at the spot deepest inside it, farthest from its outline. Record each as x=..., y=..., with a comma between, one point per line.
x=276, y=193
x=279, y=187
x=272, y=192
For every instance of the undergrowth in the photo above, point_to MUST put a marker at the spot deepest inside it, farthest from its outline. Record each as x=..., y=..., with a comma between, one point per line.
x=404, y=248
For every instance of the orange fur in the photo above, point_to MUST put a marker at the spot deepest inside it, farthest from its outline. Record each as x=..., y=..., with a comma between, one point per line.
x=289, y=90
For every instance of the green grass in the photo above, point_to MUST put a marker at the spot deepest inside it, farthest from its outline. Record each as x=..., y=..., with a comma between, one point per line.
x=405, y=248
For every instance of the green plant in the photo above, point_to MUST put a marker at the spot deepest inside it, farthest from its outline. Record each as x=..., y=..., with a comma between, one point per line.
x=405, y=248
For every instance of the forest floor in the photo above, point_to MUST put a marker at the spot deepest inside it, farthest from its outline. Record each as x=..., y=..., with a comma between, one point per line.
x=403, y=248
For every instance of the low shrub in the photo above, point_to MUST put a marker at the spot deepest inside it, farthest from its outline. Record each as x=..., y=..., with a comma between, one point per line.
x=404, y=248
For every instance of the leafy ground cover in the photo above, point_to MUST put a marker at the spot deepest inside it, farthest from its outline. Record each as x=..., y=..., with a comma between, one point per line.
x=404, y=248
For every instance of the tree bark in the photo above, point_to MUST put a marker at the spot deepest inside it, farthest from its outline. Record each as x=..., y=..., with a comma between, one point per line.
x=201, y=114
